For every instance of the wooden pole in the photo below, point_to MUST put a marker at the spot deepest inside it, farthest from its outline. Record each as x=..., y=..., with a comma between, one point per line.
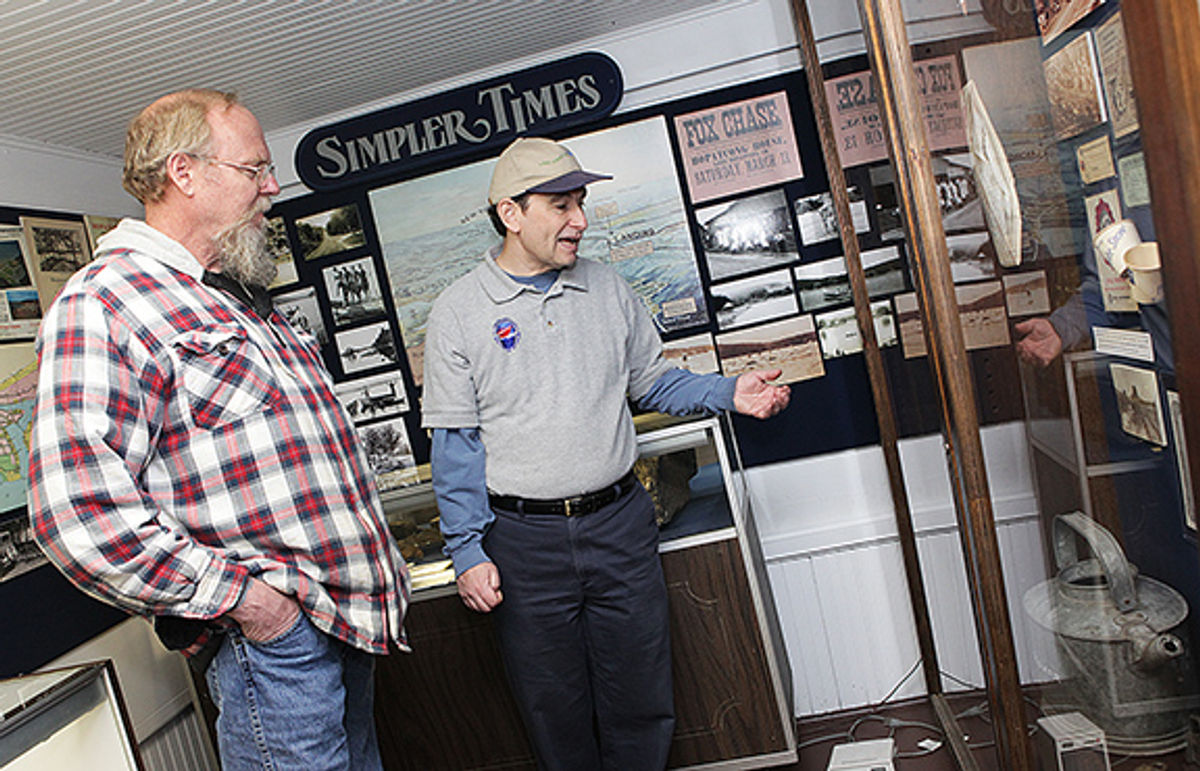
x=901, y=111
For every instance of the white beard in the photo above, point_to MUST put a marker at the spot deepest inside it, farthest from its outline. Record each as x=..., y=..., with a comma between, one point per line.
x=244, y=253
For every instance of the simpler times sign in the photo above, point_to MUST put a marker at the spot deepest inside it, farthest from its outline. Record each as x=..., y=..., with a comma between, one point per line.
x=399, y=140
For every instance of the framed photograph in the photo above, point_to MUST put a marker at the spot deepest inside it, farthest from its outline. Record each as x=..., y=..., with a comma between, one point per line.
x=300, y=307
x=839, y=333
x=982, y=315
x=790, y=345
x=366, y=348
x=377, y=396
x=971, y=256
x=1138, y=404
x=817, y=220
x=912, y=329
x=57, y=248
x=281, y=252
x=1055, y=17
x=1027, y=294
x=753, y=299
x=746, y=235
x=1073, y=86
x=697, y=353
x=389, y=453
x=21, y=309
x=97, y=226
x=353, y=291
x=330, y=232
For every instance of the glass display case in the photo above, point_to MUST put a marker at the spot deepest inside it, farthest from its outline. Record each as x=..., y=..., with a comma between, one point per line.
x=453, y=709
x=65, y=718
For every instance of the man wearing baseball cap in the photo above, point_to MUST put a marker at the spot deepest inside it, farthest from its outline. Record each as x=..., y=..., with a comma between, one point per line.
x=530, y=362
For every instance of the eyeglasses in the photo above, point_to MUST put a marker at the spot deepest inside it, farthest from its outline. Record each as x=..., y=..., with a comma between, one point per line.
x=259, y=172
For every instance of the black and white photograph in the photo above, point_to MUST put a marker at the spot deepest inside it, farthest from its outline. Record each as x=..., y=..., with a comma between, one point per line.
x=57, y=248
x=1027, y=294
x=912, y=330
x=747, y=234
x=330, y=232
x=753, y=299
x=353, y=291
x=888, y=221
x=19, y=553
x=826, y=284
x=389, y=453
x=817, y=220
x=839, y=333
x=300, y=307
x=378, y=396
x=790, y=345
x=981, y=314
x=697, y=353
x=1138, y=404
x=972, y=257
x=366, y=347
x=962, y=209
x=281, y=252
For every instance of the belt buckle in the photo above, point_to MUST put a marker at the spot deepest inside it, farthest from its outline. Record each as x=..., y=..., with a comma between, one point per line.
x=573, y=506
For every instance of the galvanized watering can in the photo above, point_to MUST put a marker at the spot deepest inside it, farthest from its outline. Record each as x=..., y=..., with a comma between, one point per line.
x=1128, y=667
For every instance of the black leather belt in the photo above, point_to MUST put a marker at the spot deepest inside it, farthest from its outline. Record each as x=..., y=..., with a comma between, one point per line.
x=575, y=506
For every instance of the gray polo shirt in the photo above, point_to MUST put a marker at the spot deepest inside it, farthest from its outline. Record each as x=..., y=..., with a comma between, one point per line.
x=544, y=376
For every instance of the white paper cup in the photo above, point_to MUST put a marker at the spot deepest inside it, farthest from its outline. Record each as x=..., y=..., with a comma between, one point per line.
x=1113, y=241
x=1145, y=273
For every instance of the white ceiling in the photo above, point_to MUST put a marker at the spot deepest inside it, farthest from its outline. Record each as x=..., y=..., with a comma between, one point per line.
x=76, y=71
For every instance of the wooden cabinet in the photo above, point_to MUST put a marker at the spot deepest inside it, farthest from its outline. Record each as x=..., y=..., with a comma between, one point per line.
x=448, y=706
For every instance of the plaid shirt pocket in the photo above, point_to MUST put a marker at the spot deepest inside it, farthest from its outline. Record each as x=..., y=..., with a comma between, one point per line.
x=226, y=376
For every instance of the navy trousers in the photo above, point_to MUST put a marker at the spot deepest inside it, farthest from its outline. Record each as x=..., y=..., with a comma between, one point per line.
x=584, y=633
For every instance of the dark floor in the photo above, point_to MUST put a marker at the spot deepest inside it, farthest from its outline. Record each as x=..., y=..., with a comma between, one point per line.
x=911, y=722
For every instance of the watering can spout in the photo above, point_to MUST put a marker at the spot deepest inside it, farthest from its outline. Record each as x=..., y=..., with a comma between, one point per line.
x=1152, y=649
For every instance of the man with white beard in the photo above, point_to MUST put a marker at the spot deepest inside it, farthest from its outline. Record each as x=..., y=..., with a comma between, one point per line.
x=189, y=460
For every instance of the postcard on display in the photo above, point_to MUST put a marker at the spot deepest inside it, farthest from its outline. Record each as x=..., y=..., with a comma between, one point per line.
x=1055, y=17
x=1006, y=108
x=389, y=453
x=817, y=217
x=97, y=226
x=754, y=299
x=1135, y=185
x=330, y=232
x=353, y=291
x=1138, y=403
x=857, y=126
x=366, y=347
x=1118, y=81
x=301, y=309
x=1175, y=410
x=57, y=248
x=1095, y=160
x=839, y=334
x=281, y=252
x=747, y=234
x=697, y=353
x=434, y=229
x=1027, y=294
x=739, y=146
x=1073, y=85
x=377, y=396
x=971, y=256
x=958, y=198
x=981, y=314
x=790, y=345
x=912, y=329
x=1103, y=209
x=20, y=311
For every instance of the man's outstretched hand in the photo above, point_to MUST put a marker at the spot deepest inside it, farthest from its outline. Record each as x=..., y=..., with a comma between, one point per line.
x=757, y=396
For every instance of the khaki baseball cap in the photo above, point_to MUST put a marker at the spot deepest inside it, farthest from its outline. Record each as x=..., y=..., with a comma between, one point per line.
x=536, y=165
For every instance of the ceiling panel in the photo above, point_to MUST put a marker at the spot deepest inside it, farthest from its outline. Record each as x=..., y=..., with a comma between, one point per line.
x=75, y=71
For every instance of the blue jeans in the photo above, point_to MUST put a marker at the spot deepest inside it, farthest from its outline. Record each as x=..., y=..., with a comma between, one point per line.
x=301, y=702
x=584, y=632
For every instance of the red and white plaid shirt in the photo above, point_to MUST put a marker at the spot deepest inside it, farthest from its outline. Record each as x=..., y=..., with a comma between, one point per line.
x=182, y=444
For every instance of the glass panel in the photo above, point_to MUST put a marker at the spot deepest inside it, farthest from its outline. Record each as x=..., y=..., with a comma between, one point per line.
x=1101, y=563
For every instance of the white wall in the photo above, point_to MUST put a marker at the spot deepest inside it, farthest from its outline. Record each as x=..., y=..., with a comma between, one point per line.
x=38, y=176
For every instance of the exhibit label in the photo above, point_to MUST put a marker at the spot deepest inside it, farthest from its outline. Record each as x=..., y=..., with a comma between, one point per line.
x=738, y=146
x=854, y=109
x=395, y=142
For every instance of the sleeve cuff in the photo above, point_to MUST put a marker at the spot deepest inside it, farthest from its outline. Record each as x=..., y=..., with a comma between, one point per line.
x=468, y=556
